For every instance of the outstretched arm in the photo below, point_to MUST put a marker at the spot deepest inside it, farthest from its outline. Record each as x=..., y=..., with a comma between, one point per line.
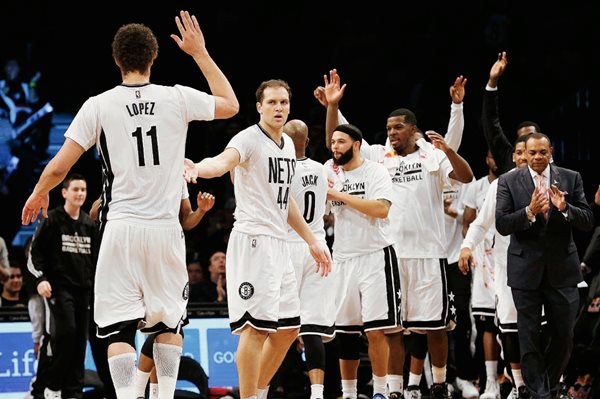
x=334, y=92
x=456, y=125
x=53, y=174
x=497, y=141
x=211, y=167
x=192, y=42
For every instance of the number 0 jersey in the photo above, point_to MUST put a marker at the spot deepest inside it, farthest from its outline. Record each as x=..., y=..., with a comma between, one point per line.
x=140, y=134
x=262, y=182
x=309, y=189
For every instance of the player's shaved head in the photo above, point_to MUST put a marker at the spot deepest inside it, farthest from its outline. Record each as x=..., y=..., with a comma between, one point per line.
x=298, y=131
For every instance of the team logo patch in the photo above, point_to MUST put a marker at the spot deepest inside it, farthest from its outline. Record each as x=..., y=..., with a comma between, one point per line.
x=186, y=292
x=246, y=290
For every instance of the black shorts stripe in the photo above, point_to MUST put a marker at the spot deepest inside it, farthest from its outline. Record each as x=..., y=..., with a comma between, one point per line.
x=103, y=332
x=483, y=311
x=315, y=329
x=264, y=324
x=508, y=327
x=107, y=181
x=349, y=329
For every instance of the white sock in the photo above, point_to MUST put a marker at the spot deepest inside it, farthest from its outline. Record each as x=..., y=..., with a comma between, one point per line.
x=262, y=393
x=316, y=391
x=518, y=378
x=153, y=391
x=141, y=380
x=439, y=374
x=394, y=382
x=166, y=361
x=349, y=389
x=414, y=379
x=122, y=371
x=379, y=385
x=491, y=370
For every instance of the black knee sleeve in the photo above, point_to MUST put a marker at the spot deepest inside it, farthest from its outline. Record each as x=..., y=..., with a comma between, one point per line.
x=349, y=346
x=510, y=341
x=314, y=349
x=147, y=347
x=416, y=345
x=126, y=334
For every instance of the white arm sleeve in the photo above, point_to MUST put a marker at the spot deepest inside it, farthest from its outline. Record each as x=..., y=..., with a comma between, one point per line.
x=484, y=220
x=456, y=126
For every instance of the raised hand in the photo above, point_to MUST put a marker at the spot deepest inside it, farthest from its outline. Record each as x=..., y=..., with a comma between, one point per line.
x=437, y=140
x=205, y=201
x=192, y=39
x=319, y=94
x=457, y=90
x=334, y=91
x=498, y=69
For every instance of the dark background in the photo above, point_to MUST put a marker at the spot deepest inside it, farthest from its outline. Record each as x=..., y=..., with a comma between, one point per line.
x=392, y=54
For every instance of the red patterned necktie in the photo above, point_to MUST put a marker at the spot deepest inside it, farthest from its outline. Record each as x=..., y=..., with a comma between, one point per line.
x=543, y=188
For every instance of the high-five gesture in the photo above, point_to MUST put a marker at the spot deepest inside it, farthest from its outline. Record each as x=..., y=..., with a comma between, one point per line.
x=192, y=39
x=334, y=91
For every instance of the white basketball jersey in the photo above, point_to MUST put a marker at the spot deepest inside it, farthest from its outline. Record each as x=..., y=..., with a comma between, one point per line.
x=262, y=182
x=309, y=189
x=417, y=212
x=356, y=233
x=140, y=134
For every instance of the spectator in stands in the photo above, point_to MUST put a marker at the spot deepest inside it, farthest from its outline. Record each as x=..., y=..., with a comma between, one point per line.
x=215, y=287
x=17, y=97
x=11, y=291
x=196, y=278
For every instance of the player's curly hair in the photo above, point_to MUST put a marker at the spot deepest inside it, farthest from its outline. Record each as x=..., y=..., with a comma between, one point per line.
x=134, y=48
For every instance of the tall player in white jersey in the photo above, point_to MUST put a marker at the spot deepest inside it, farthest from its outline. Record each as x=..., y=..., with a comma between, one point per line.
x=317, y=294
x=261, y=285
x=140, y=130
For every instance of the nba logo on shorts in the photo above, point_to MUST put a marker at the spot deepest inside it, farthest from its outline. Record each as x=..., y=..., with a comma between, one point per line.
x=246, y=290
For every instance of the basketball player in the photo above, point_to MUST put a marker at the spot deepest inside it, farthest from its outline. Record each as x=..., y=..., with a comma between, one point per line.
x=262, y=296
x=140, y=129
x=317, y=294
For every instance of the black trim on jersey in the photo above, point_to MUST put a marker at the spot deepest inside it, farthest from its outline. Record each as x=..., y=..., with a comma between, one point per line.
x=103, y=332
x=446, y=316
x=107, y=181
x=302, y=159
x=316, y=329
x=135, y=84
x=280, y=146
x=259, y=324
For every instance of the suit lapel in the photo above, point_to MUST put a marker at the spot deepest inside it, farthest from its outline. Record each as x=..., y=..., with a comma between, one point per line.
x=526, y=181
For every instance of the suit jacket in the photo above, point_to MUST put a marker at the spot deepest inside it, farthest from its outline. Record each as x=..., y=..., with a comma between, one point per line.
x=542, y=251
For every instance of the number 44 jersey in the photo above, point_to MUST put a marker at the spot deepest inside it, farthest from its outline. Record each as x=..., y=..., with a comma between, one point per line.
x=140, y=133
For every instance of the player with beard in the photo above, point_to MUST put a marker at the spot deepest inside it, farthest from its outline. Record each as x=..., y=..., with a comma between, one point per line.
x=365, y=262
x=419, y=172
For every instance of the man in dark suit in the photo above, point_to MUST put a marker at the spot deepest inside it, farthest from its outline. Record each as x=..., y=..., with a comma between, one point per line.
x=538, y=206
